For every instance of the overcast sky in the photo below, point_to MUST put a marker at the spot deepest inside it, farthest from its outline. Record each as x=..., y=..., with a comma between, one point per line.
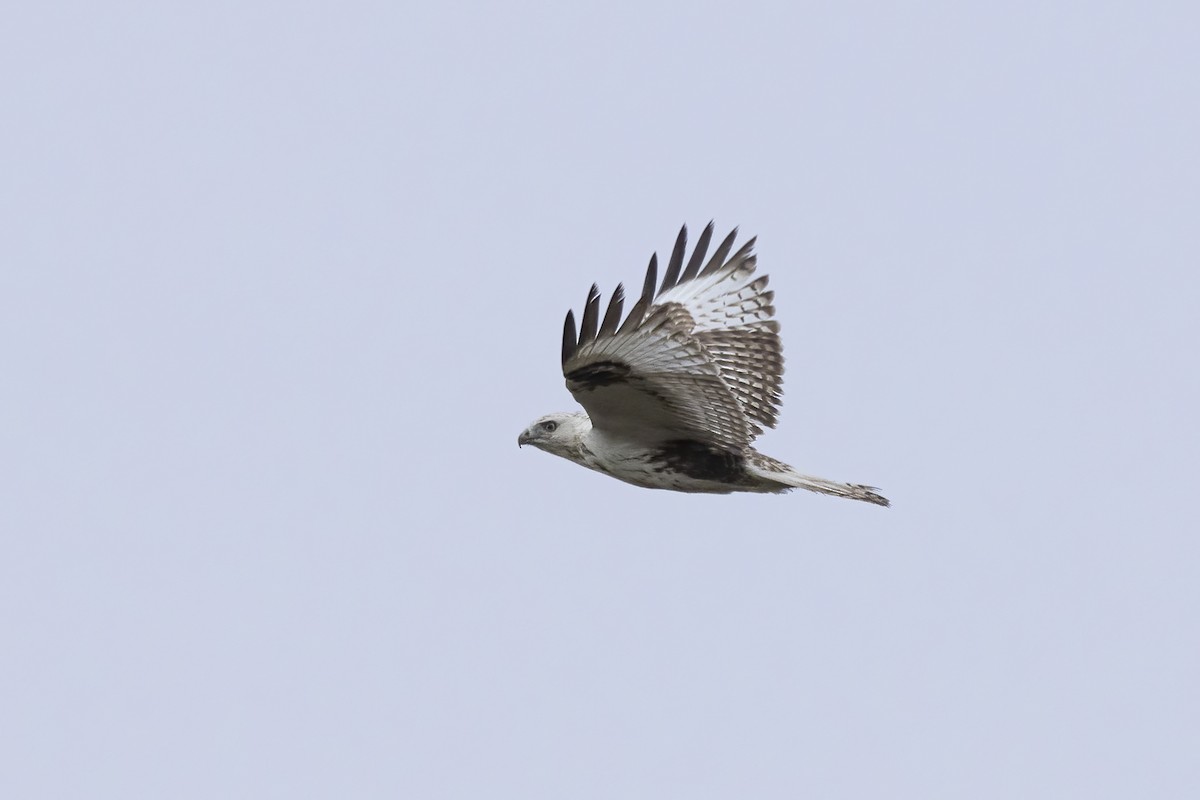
x=281, y=283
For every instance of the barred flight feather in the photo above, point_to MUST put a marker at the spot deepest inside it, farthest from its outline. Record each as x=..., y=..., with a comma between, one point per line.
x=677, y=389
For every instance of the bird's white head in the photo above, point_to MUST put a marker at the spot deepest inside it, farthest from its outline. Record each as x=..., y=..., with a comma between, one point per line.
x=557, y=433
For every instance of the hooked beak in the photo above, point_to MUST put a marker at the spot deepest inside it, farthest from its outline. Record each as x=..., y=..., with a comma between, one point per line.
x=524, y=438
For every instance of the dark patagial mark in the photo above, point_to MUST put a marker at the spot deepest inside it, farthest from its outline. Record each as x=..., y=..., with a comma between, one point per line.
x=601, y=373
x=700, y=461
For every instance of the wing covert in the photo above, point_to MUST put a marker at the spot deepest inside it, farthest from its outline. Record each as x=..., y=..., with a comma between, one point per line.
x=700, y=358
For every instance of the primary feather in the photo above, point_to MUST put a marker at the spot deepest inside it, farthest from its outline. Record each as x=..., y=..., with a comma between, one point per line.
x=677, y=390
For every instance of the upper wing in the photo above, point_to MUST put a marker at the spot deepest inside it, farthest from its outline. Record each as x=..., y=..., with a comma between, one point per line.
x=700, y=359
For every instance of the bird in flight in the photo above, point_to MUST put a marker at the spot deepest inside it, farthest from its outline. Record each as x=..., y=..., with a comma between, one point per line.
x=676, y=391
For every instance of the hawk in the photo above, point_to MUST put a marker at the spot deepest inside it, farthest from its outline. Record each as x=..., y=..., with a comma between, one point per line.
x=676, y=391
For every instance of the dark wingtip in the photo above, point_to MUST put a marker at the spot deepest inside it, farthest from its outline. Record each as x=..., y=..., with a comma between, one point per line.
x=568, y=340
x=612, y=317
x=676, y=262
x=722, y=252
x=651, y=279
x=591, y=315
x=693, y=266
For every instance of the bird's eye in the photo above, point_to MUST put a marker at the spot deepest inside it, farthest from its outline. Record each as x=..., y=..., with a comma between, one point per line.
x=549, y=426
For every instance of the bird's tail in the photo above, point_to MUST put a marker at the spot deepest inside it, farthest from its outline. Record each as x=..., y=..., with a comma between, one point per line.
x=771, y=470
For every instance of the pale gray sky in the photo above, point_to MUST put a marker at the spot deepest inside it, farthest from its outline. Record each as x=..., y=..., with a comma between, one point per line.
x=281, y=284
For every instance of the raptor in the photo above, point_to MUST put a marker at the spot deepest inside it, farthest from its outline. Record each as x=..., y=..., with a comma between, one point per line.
x=676, y=390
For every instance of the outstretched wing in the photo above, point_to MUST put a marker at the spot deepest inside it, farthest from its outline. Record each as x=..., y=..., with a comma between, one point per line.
x=698, y=359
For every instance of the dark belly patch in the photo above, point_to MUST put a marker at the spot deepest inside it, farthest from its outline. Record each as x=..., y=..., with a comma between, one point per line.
x=699, y=461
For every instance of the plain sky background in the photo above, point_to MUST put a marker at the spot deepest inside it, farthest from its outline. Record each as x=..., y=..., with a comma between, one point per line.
x=280, y=283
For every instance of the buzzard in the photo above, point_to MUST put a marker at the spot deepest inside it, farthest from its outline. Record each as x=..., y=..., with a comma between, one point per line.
x=677, y=390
